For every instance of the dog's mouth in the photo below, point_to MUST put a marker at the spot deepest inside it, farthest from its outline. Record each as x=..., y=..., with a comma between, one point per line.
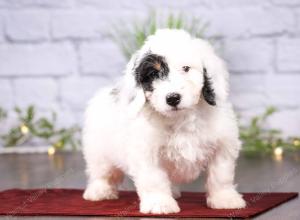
x=175, y=109
x=173, y=112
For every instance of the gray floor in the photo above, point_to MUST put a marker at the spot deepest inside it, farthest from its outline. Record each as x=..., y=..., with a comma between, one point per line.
x=67, y=170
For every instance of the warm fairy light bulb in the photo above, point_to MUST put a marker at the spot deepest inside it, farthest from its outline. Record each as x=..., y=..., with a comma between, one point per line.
x=24, y=129
x=296, y=142
x=278, y=151
x=51, y=151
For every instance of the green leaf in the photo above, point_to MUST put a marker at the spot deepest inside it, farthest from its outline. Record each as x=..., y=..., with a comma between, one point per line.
x=30, y=113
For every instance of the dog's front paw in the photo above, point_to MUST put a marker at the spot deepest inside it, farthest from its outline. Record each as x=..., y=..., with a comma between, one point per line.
x=226, y=199
x=158, y=204
x=98, y=190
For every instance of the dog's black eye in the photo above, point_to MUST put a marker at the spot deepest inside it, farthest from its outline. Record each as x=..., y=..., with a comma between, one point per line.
x=153, y=74
x=186, y=68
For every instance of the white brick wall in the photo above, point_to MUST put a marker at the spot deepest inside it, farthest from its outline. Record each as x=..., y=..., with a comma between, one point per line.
x=249, y=55
x=76, y=91
x=41, y=91
x=101, y=58
x=1, y=28
x=27, y=25
x=288, y=55
x=78, y=24
x=37, y=59
x=6, y=91
x=298, y=22
x=56, y=53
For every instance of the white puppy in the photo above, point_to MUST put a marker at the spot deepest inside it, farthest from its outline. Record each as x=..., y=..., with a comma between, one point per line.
x=166, y=121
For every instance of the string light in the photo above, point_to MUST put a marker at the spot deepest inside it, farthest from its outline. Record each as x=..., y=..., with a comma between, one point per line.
x=296, y=142
x=278, y=151
x=51, y=151
x=24, y=129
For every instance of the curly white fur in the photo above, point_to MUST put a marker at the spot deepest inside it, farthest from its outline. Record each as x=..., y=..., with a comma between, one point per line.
x=131, y=131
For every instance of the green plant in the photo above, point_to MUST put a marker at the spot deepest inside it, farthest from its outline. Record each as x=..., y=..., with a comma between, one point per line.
x=29, y=127
x=257, y=139
x=130, y=37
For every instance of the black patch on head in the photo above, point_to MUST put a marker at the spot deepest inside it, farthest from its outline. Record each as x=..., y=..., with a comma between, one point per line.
x=207, y=90
x=151, y=67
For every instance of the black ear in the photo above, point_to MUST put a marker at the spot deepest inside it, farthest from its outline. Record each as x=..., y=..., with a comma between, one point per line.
x=207, y=90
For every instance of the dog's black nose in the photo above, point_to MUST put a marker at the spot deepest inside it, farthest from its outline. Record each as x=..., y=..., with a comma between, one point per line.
x=173, y=99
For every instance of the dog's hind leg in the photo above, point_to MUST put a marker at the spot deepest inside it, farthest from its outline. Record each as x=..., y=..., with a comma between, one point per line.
x=103, y=180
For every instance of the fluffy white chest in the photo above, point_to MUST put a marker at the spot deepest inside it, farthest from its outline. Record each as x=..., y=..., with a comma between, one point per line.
x=186, y=153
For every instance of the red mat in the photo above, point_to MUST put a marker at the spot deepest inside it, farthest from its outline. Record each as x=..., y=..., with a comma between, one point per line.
x=69, y=202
